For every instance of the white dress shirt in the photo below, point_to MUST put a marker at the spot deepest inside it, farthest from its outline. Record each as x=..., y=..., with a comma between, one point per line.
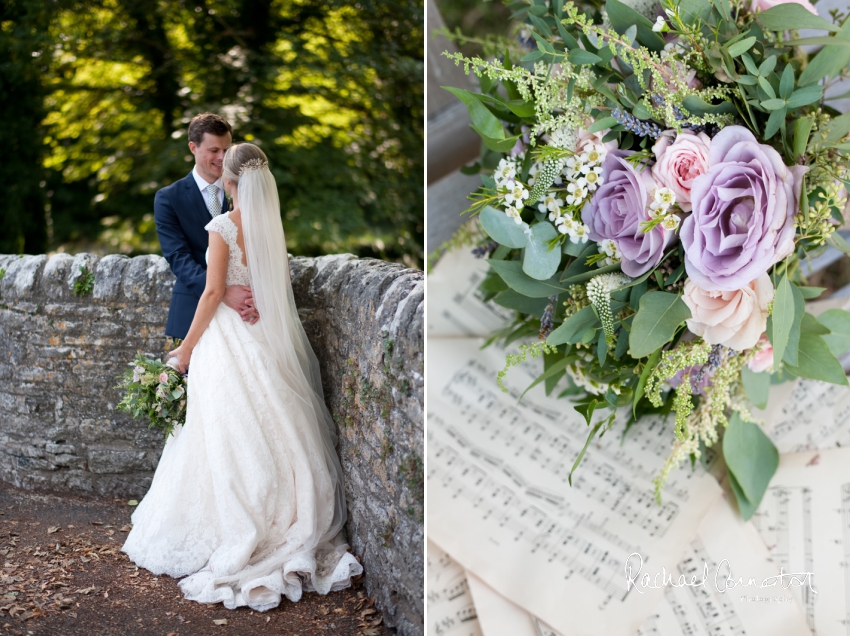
x=203, y=184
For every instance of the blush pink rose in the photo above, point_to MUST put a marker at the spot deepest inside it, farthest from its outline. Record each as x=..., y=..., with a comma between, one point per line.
x=163, y=377
x=679, y=162
x=763, y=360
x=734, y=319
x=764, y=5
x=586, y=140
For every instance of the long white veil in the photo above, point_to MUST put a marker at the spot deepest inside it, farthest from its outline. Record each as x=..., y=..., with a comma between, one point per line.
x=268, y=265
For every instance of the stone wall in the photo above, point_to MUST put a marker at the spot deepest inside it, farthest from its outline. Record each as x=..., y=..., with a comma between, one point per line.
x=61, y=352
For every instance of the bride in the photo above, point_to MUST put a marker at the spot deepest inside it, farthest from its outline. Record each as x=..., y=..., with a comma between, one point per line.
x=247, y=499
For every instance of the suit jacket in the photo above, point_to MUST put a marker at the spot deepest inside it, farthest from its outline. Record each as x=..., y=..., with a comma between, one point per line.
x=181, y=215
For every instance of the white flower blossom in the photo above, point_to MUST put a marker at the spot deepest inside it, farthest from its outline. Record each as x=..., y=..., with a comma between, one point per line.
x=670, y=222
x=514, y=214
x=516, y=194
x=551, y=203
x=659, y=24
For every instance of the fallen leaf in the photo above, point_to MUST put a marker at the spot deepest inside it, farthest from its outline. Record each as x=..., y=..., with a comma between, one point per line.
x=53, y=529
x=371, y=632
x=323, y=611
x=126, y=529
x=132, y=502
x=220, y=621
x=366, y=612
x=96, y=523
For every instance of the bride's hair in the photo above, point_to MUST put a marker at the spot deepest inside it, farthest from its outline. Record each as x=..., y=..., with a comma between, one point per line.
x=241, y=156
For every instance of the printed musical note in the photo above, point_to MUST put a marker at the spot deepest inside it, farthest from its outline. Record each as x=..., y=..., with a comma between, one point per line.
x=451, y=611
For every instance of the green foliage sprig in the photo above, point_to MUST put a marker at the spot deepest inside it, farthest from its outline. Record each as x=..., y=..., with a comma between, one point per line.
x=84, y=284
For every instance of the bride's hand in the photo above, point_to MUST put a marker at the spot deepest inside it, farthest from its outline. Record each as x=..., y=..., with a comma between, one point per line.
x=181, y=356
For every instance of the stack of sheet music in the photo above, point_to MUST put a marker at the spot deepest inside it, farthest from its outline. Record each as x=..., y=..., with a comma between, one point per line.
x=514, y=550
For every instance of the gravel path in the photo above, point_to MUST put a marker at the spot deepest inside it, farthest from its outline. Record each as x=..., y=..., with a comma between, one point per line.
x=63, y=574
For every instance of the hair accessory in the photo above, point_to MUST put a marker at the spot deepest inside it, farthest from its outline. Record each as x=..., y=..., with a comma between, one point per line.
x=253, y=164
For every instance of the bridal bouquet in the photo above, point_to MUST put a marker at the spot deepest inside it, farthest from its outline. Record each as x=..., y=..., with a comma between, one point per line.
x=154, y=390
x=653, y=180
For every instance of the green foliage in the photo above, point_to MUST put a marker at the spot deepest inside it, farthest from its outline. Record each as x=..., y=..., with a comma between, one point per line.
x=103, y=92
x=657, y=320
x=756, y=386
x=84, y=284
x=752, y=460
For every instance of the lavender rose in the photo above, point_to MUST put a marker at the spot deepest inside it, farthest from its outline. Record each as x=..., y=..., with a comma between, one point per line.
x=743, y=212
x=617, y=210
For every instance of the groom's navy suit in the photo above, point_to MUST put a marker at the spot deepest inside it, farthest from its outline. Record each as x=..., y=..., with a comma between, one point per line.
x=181, y=215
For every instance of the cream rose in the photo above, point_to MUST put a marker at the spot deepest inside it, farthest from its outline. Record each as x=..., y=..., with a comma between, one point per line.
x=680, y=162
x=734, y=319
x=764, y=5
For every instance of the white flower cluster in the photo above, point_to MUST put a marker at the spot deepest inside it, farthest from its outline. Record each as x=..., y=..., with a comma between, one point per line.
x=663, y=199
x=515, y=193
x=611, y=251
x=583, y=174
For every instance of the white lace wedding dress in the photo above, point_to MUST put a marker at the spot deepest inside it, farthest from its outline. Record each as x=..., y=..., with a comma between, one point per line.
x=242, y=489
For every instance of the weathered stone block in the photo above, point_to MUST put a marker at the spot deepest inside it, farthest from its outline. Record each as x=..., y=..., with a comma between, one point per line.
x=117, y=461
x=110, y=271
x=55, y=276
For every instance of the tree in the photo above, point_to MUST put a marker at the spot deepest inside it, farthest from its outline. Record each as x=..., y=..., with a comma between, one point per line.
x=333, y=93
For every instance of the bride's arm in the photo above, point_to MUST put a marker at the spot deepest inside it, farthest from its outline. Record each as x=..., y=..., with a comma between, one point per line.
x=210, y=299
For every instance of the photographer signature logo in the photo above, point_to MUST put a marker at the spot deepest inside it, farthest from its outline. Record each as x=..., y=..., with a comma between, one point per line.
x=723, y=578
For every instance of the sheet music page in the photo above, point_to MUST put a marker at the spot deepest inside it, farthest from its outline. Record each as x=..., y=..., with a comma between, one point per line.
x=694, y=611
x=455, y=307
x=804, y=519
x=807, y=415
x=499, y=501
x=451, y=611
x=497, y=615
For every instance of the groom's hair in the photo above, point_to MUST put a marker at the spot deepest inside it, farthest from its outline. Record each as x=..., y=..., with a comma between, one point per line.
x=208, y=123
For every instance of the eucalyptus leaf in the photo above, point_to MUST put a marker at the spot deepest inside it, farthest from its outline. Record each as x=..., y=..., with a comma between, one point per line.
x=816, y=361
x=657, y=319
x=782, y=319
x=484, y=122
x=511, y=272
x=830, y=60
x=741, y=46
x=756, y=386
x=838, y=323
x=512, y=299
x=750, y=457
x=580, y=57
x=572, y=329
x=503, y=229
x=539, y=261
x=786, y=17
x=805, y=96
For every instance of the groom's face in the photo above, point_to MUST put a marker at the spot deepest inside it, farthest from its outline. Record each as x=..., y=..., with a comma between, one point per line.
x=209, y=155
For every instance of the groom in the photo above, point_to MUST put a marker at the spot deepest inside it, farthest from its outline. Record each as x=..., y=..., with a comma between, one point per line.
x=181, y=211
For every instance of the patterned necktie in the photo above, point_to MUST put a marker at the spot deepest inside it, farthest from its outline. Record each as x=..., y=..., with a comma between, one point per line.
x=215, y=204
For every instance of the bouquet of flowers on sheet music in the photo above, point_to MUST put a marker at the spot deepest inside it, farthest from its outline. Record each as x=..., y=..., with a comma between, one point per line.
x=652, y=183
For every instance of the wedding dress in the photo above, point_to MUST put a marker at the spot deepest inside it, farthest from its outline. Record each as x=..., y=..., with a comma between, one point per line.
x=246, y=499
